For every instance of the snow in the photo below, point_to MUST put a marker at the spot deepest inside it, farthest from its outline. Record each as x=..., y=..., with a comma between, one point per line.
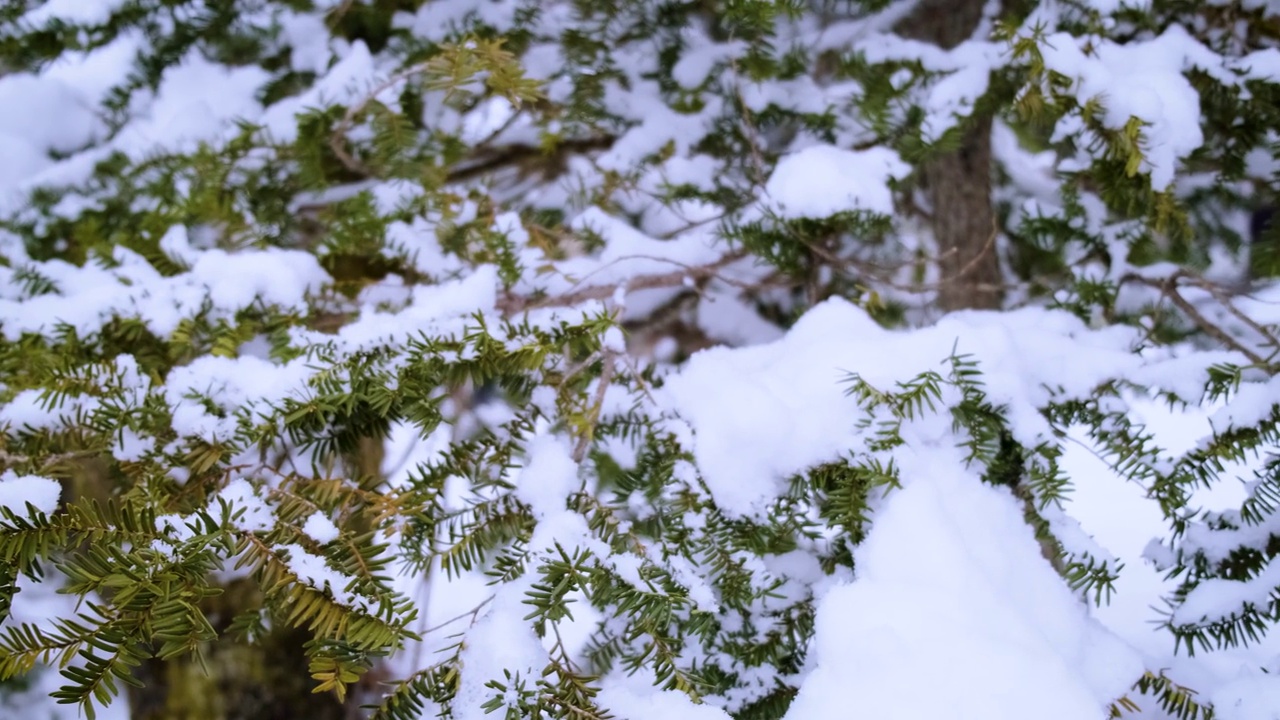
x=246, y=508
x=629, y=254
x=184, y=113
x=1143, y=80
x=439, y=307
x=764, y=412
x=314, y=571
x=483, y=122
x=964, y=74
x=348, y=78
x=54, y=118
x=887, y=641
x=308, y=39
x=320, y=528
x=698, y=61
x=234, y=383
x=1216, y=599
x=90, y=296
x=1249, y=698
x=499, y=643
x=822, y=180
x=19, y=491
x=73, y=12
x=635, y=699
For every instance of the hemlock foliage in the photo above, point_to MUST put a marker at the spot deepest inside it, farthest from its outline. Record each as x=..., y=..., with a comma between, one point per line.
x=338, y=301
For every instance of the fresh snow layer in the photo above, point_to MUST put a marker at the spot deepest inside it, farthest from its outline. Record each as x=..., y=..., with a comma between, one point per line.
x=823, y=180
x=762, y=413
x=73, y=12
x=1255, y=697
x=952, y=614
x=955, y=614
x=19, y=491
x=1143, y=80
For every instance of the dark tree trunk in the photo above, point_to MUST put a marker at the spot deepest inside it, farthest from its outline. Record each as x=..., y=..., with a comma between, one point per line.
x=265, y=681
x=958, y=183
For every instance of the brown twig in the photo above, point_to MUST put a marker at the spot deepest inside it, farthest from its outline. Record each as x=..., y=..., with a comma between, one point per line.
x=514, y=154
x=606, y=376
x=879, y=274
x=337, y=141
x=1224, y=298
x=987, y=247
x=473, y=613
x=9, y=460
x=336, y=15
x=751, y=133
x=1168, y=288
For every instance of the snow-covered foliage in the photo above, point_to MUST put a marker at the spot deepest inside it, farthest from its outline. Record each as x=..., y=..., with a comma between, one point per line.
x=555, y=358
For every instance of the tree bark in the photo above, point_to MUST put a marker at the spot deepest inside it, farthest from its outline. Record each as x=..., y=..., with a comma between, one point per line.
x=269, y=680
x=958, y=183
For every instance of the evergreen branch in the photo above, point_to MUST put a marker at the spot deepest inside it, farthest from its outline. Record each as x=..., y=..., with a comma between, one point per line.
x=338, y=139
x=1176, y=700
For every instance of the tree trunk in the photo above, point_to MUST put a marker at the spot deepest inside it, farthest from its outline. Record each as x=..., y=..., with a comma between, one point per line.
x=958, y=183
x=269, y=680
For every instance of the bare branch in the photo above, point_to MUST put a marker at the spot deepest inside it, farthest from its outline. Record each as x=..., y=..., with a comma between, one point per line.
x=511, y=304
x=1169, y=288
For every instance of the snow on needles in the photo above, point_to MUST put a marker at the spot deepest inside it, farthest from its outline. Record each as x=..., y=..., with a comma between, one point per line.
x=19, y=491
x=763, y=413
x=320, y=528
x=87, y=298
x=1143, y=80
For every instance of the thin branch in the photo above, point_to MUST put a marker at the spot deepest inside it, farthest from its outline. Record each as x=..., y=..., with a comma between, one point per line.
x=1224, y=298
x=514, y=154
x=336, y=15
x=878, y=274
x=9, y=460
x=473, y=613
x=751, y=133
x=511, y=304
x=1168, y=287
x=338, y=140
x=577, y=369
x=606, y=376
